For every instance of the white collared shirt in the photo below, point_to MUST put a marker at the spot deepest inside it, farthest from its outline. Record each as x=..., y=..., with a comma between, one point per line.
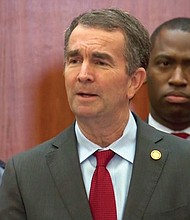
x=120, y=167
x=153, y=123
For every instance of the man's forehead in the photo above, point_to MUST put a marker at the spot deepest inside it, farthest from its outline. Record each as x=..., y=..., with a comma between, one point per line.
x=94, y=33
x=86, y=37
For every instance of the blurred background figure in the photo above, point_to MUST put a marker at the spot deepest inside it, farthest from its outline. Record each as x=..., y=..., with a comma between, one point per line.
x=168, y=77
x=2, y=167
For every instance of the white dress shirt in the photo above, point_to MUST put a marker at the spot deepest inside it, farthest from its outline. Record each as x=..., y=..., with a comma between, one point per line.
x=120, y=167
x=153, y=123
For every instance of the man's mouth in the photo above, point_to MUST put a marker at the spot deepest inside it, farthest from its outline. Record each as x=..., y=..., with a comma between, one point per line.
x=176, y=98
x=86, y=94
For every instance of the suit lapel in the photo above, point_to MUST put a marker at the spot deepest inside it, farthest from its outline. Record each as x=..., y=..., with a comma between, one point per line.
x=65, y=169
x=146, y=171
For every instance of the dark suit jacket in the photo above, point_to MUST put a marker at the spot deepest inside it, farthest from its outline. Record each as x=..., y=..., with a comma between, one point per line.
x=46, y=183
x=2, y=167
x=2, y=164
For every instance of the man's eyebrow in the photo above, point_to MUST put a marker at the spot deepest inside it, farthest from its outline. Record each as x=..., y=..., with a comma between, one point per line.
x=104, y=56
x=99, y=55
x=73, y=53
x=164, y=56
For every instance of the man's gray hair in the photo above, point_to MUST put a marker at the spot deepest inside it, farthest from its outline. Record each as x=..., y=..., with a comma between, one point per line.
x=137, y=43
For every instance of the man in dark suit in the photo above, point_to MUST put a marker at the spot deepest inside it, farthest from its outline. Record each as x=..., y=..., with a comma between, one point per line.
x=2, y=167
x=147, y=176
x=168, y=77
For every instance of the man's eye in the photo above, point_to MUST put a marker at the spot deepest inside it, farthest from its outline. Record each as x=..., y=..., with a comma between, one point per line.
x=165, y=63
x=187, y=63
x=73, y=61
x=101, y=63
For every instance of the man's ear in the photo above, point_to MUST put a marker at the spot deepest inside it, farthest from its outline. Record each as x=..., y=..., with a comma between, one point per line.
x=137, y=79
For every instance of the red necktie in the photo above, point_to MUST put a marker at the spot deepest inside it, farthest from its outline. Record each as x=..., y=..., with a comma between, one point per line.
x=102, y=200
x=181, y=135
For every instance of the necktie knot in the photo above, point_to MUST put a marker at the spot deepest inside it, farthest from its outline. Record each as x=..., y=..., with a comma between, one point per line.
x=103, y=157
x=181, y=135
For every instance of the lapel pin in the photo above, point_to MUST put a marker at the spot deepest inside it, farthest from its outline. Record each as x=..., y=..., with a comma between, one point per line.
x=155, y=154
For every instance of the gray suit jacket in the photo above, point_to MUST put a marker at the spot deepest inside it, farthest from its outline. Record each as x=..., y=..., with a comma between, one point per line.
x=46, y=183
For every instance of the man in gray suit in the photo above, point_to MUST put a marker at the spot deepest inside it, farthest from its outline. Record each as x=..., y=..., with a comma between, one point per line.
x=106, y=55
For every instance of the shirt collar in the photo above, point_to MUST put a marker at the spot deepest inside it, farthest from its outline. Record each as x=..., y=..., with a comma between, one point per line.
x=157, y=125
x=124, y=146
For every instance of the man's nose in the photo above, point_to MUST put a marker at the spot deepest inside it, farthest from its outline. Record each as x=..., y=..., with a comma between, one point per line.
x=178, y=77
x=85, y=73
